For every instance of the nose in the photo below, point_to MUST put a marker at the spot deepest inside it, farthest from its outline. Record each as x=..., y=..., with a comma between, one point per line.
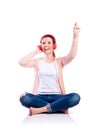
x=46, y=44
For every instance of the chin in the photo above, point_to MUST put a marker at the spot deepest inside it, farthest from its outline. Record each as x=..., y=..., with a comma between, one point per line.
x=47, y=52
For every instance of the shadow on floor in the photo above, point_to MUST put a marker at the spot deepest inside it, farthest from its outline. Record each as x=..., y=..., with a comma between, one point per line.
x=54, y=120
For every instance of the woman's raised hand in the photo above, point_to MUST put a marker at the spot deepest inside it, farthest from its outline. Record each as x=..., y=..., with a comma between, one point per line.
x=76, y=30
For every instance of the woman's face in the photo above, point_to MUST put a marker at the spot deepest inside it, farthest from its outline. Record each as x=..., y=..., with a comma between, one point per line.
x=47, y=45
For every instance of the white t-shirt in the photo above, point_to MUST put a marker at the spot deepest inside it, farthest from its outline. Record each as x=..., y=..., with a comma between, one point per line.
x=48, y=80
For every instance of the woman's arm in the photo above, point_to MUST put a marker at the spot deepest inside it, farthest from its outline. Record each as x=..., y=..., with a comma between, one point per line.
x=66, y=59
x=28, y=60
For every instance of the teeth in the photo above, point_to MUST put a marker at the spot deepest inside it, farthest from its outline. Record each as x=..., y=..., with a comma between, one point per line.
x=46, y=48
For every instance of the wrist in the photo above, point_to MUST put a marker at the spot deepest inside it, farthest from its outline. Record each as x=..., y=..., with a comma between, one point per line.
x=75, y=39
x=76, y=34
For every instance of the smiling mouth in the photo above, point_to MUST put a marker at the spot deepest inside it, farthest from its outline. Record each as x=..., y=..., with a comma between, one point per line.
x=46, y=48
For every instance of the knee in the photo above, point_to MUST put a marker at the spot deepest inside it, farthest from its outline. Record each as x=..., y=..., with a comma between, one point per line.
x=24, y=98
x=76, y=98
x=23, y=94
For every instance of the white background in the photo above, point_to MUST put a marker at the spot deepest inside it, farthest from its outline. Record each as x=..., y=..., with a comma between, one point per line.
x=22, y=23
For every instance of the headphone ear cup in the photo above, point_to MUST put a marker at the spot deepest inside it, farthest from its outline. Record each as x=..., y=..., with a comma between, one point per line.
x=54, y=46
x=40, y=47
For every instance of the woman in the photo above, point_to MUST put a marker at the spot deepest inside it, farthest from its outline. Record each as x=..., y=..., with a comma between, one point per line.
x=49, y=93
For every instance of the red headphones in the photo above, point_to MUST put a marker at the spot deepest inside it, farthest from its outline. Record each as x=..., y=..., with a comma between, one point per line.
x=40, y=47
x=53, y=38
x=54, y=46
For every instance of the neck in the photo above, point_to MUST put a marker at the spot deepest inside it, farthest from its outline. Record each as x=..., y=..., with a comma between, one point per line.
x=49, y=58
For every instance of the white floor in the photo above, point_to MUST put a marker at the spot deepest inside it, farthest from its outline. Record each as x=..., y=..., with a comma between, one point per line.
x=44, y=121
x=79, y=118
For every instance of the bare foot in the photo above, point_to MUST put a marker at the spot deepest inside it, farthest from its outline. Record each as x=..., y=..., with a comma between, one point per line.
x=65, y=111
x=30, y=112
x=34, y=111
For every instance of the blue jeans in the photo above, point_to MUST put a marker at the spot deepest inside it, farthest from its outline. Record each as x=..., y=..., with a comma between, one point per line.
x=53, y=102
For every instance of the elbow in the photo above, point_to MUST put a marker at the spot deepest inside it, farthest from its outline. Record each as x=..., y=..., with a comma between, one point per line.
x=73, y=55
x=21, y=63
